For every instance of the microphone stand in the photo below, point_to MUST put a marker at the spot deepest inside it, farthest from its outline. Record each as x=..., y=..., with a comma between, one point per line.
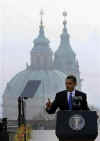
x=24, y=119
x=21, y=114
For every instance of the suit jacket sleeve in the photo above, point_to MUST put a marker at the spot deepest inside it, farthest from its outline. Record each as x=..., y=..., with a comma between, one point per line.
x=85, y=104
x=54, y=106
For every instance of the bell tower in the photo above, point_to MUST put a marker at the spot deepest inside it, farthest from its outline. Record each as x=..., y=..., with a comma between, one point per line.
x=65, y=58
x=41, y=53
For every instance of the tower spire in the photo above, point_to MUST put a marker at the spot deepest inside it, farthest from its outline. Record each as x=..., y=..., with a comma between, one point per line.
x=41, y=24
x=41, y=14
x=65, y=15
x=64, y=35
x=41, y=53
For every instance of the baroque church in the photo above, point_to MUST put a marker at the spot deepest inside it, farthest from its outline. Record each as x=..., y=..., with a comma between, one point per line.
x=51, y=71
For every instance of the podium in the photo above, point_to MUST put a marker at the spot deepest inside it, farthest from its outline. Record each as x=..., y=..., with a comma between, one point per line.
x=76, y=125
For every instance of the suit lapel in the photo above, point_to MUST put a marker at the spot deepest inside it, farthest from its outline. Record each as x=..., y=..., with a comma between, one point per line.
x=65, y=97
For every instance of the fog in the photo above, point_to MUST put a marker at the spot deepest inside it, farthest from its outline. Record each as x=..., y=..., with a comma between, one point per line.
x=19, y=25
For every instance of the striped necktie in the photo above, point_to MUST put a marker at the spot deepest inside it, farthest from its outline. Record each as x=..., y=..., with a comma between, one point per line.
x=70, y=101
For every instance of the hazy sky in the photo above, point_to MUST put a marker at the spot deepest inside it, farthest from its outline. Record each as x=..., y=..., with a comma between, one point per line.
x=20, y=19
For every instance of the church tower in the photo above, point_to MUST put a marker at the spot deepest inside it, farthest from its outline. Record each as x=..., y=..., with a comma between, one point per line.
x=41, y=54
x=65, y=58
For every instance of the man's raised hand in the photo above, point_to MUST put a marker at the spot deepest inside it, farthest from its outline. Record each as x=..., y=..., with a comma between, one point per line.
x=48, y=104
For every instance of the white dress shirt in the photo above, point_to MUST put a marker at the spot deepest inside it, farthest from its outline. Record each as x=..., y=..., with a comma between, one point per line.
x=68, y=94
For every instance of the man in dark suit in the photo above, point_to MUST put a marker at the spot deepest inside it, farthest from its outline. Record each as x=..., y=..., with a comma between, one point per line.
x=63, y=99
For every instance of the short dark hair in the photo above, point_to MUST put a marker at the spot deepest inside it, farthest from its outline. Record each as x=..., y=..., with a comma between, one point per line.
x=72, y=77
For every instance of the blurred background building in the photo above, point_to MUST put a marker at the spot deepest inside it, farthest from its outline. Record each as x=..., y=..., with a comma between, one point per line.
x=51, y=68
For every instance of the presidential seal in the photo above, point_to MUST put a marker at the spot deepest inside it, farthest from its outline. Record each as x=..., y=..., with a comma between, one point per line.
x=76, y=122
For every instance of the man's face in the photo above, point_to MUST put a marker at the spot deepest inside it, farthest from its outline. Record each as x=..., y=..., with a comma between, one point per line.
x=70, y=84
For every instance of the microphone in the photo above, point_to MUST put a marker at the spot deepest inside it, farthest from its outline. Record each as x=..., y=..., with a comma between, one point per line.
x=77, y=102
